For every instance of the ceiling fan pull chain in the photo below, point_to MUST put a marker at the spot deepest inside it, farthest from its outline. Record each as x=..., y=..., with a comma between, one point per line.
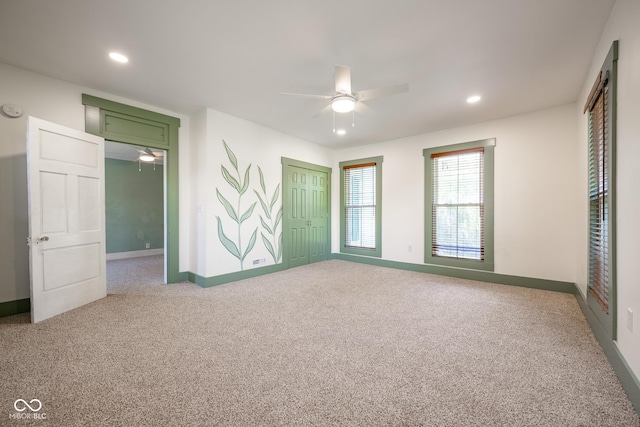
x=353, y=118
x=334, y=122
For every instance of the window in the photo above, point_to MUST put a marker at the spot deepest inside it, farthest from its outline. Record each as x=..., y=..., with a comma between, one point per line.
x=360, y=202
x=600, y=107
x=459, y=205
x=599, y=198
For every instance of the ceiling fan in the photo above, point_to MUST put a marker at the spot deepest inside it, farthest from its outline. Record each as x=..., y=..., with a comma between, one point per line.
x=146, y=155
x=346, y=101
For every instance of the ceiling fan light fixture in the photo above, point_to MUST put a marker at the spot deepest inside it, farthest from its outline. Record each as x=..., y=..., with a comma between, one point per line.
x=146, y=158
x=343, y=104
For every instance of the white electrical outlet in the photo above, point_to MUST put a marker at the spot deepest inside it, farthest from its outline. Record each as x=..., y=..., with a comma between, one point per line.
x=410, y=248
x=147, y=245
x=629, y=320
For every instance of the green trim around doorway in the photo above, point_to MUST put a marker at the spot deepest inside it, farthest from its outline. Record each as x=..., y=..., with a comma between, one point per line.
x=131, y=125
x=18, y=306
x=300, y=164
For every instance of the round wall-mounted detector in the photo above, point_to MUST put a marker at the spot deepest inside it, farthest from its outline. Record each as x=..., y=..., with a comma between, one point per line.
x=12, y=110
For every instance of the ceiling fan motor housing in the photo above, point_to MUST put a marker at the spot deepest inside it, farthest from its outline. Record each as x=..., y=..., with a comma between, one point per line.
x=343, y=103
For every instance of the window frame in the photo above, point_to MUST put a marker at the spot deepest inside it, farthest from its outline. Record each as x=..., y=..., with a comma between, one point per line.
x=608, y=320
x=377, y=252
x=488, y=159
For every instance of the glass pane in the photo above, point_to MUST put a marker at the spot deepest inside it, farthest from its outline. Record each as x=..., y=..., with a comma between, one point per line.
x=458, y=206
x=360, y=230
x=360, y=207
x=469, y=232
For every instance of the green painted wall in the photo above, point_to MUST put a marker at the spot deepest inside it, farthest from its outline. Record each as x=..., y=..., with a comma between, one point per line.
x=134, y=206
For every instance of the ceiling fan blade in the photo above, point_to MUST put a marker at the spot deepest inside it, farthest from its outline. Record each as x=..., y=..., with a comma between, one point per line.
x=362, y=108
x=307, y=95
x=343, y=79
x=149, y=152
x=325, y=110
x=368, y=94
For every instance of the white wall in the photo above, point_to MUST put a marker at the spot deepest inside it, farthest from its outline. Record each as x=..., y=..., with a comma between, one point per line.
x=535, y=176
x=253, y=145
x=623, y=25
x=59, y=102
x=198, y=170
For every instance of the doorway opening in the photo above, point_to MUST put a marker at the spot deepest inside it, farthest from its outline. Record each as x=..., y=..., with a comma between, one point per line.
x=135, y=216
x=131, y=125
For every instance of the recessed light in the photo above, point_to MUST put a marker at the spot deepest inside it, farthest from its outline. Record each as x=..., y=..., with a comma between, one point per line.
x=473, y=99
x=118, y=57
x=341, y=131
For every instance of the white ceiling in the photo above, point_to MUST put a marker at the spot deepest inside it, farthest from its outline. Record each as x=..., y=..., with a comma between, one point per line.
x=239, y=56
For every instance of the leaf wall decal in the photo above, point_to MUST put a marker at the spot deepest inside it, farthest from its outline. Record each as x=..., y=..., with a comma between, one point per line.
x=241, y=186
x=264, y=205
x=248, y=213
x=279, y=254
x=231, y=180
x=268, y=245
x=278, y=218
x=226, y=242
x=252, y=242
x=246, y=181
x=275, y=196
x=266, y=226
x=264, y=190
x=232, y=157
x=230, y=210
x=275, y=248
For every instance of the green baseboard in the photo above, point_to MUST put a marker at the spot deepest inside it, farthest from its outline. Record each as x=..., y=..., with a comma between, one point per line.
x=207, y=282
x=10, y=308
x=461, y=273
x=629, y=381
x=482, y=276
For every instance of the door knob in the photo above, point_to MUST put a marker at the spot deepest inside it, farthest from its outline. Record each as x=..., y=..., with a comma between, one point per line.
x=43, y=239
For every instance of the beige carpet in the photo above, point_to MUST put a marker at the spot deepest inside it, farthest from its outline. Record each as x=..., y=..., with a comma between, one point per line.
x=333, y=343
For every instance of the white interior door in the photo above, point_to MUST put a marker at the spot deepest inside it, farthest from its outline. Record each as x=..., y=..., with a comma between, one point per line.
x=66, y=218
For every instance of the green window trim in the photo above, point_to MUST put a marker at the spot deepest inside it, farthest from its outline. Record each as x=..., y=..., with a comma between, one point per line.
x=377, y=251
x=606, y=316
x=488, y=263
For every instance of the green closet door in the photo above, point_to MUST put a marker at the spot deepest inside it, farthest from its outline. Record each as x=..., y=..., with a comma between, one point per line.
x=318, y=215
x=307, y=214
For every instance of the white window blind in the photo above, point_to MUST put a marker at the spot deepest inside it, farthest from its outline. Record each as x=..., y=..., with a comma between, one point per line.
x=360, y=206
x=458, y=204
x=599, y=195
